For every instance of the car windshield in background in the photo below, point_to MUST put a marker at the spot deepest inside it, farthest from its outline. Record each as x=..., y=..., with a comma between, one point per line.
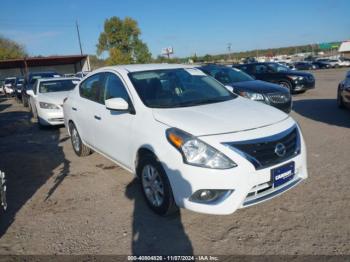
x=9, y=81
x=33, y=78
x=57, y=86
x=228, y=75
x=277, y=67
x=178, y=88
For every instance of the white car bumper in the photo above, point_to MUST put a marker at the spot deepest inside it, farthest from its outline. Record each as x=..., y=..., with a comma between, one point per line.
x=8, y=90
x=51, y=116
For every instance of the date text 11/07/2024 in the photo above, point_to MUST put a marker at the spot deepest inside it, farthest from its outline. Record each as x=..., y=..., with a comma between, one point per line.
x=173, y=258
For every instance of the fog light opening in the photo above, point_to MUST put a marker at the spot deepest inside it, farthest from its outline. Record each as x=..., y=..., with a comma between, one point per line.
x=210, y=195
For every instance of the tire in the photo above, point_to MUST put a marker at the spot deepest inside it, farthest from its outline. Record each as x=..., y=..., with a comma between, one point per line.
x=156, y=186
x=78, y=146
x=340, y=101
x=25, y=101
x=286, y=84
x=36, y=117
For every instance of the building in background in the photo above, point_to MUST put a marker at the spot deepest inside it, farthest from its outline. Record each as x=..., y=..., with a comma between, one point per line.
x=60, y=64
x=344, y=49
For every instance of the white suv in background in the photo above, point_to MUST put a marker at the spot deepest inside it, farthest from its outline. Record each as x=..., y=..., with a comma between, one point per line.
x=192, y=143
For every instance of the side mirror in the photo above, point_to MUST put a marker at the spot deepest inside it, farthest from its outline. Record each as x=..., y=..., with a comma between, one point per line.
x=30, y=92
x=117, y=104
x=230, y=88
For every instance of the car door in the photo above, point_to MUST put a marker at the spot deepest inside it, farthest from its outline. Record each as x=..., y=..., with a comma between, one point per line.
x=113, y=128
x=261, y=72
x=84, y=107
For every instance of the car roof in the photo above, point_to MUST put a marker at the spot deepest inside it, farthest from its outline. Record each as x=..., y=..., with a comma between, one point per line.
x=43, y=72
x=56, y=78
x=145, y=67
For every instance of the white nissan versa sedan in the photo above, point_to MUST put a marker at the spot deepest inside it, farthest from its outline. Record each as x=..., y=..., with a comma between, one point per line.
x=46, y=99
x=192, y=143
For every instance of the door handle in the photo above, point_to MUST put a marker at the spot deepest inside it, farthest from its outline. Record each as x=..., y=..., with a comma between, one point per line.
x=74, y=108
x=97, y=117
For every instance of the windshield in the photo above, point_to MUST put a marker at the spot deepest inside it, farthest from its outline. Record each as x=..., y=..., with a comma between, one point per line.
x=10, y=81
x=57, y=86
x=34, y=77
x=228, y=75
x=178, y=88
x=277, y=67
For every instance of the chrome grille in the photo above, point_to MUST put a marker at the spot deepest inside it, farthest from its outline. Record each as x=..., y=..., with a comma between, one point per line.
x=278, y=98
x=262, y=152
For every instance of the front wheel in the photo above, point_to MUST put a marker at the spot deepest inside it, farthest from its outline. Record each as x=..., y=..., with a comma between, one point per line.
x=25, y=101
x=286, y=84
x=79, y=148
x=340, y=101
x=156, y=186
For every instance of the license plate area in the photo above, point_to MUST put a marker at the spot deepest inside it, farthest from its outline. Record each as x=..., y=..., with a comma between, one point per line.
x=282, y=174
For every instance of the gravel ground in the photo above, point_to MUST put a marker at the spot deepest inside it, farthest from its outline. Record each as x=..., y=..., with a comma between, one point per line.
x=62, y=204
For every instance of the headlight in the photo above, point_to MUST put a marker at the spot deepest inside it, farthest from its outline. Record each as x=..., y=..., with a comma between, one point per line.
x=299, y=78
x=48, y=106
x=196, y=152
x=253, y=96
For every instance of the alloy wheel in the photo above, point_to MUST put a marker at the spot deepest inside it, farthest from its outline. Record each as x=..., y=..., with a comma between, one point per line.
x=75, y=140
x=153, y=185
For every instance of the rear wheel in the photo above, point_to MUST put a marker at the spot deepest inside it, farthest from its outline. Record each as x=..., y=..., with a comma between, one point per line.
x=79, y=148
x=155, y=186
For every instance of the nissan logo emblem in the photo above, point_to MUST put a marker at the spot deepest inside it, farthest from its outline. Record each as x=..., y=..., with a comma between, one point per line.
x=280, y=150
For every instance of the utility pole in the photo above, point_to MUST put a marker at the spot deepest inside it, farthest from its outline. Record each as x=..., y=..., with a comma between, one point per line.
x=229, y=50
x=81, y=50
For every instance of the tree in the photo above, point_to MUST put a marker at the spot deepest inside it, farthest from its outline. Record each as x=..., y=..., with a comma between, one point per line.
x=121, y=39
x=96, y=62
x=208, y=58
x=10, y=49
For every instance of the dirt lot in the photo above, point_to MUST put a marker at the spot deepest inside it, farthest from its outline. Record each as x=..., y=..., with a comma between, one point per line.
x=62, y=204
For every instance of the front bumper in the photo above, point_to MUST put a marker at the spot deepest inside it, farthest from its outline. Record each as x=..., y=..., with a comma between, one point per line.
x=242, y=181
x=51, y=117
x=303, y=85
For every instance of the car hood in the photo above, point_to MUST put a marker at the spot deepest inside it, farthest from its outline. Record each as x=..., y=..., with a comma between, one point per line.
x=235, y=115
x=54, y=97
x=258, y=87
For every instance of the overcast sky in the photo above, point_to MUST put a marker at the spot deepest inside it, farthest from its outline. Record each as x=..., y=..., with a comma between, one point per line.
x=189, y=26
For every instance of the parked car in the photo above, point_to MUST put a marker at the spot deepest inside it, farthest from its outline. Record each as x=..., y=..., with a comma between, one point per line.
x=304, y=66
x=9, y=85
x=82, y=74
x=322, y=64
x=279, y=74
x=46, y=99
x=18, y=87
x=289, y=65
x=2, y=88
x=343, y=62
x=343, y=94
x=246, y=86
x=30, y=80
x=192, y=143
